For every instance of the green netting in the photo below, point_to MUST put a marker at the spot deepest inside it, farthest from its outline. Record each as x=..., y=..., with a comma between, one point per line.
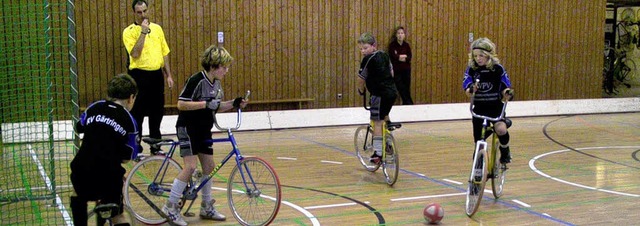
x=37, y=111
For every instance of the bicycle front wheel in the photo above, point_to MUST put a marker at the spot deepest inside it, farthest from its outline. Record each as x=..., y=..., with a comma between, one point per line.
x=148, y=186
x=363, y=141
x=391, y=163
x=254, y=192
x=498, y=179
x=477, y=181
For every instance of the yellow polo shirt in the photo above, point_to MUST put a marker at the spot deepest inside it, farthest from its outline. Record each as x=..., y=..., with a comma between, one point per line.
x=155, y=47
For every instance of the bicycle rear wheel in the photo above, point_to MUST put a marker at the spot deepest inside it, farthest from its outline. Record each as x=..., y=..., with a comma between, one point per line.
x=148, y=186
x=391, y=163
x=363, y=141
x=475, y=189
x=254, y=192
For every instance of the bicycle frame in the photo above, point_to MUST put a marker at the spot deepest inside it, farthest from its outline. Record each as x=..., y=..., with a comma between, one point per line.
x=482, y=143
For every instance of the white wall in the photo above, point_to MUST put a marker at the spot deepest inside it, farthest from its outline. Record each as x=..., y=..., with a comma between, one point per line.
x=261, y=120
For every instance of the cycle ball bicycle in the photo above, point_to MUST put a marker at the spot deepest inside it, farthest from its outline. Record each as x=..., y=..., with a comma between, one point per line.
x=363, y=141
x=253, y=187
x=485, y=163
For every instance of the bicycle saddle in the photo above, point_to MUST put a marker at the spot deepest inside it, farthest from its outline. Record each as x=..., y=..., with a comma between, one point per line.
x=391, y=126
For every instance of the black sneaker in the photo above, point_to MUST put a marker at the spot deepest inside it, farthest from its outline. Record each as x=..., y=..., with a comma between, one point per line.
x=505, y=155
x=157, y=152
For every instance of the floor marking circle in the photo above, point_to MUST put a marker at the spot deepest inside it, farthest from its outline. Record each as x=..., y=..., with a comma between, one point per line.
x=533, y=167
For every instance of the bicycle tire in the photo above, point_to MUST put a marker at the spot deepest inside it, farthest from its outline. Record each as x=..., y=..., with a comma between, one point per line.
x=391, y=163
x=363, y=142
x=475, y=188
x=499, y=171
x=260, y=205
x=147, y=188
x=632, y=74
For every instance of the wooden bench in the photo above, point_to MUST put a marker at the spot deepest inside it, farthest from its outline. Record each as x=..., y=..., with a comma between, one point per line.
x=279, y=101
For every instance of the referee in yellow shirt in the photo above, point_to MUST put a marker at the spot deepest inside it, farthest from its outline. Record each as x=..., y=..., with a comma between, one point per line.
x=148, y=64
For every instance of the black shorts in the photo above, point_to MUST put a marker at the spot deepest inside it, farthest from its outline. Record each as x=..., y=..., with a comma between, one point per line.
x=380, y=107
x=98, y=186
x=193, y=142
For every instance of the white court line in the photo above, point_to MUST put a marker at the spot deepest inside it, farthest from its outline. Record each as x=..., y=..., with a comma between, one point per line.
x=308, y=214
x=47, y=180
x=533, y=167
x=287, y=158
x=332, y=162
x=427, y=197
x=37, y=188
x=521, y=203
x=332, y=205
x=452, y=181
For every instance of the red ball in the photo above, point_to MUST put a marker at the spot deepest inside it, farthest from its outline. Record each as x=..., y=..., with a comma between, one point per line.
x=433, y=213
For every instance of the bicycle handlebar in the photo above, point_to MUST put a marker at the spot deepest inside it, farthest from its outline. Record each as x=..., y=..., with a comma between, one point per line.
x=238, y=122
x=473, y=114
x=364, y=101
x=238, y=119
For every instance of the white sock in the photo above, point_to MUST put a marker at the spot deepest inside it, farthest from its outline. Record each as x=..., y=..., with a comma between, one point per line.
x=176, y=191
x=377, y=145
x=206, y=191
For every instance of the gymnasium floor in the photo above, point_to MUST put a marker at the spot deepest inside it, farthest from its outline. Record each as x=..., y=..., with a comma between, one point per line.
x=566, y=170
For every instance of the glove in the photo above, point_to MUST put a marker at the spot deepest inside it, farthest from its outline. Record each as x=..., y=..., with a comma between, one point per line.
x=510, y=93
x=213, y=104
x=237, y=102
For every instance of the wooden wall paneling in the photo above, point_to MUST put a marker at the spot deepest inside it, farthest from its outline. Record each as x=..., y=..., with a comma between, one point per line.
x=82, y=91
x=259, y=53
x=310, y=47
x=252, y=56
x=292, y=57
x=312, y=55
x=243, y=40
x=420, y=34
x=107, y=13
x=537, y=78
x=269, y=49
x=350, y=54
x=101, y=63
x=94, y=63
x=342, y=56
x=277, y=63
x=231, y=31
x=294, y=47
x=325, y=78
x=116, y=37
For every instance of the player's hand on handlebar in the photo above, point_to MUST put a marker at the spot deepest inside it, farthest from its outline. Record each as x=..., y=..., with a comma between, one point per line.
x=507, y=94
x=361, y=92
x=240, y=102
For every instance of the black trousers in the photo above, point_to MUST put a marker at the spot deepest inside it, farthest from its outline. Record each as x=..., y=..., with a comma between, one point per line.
x=403, y=84
x=150, y=100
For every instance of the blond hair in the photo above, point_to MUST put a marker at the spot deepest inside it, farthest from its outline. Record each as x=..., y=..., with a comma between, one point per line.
x=488, y=48
x=215, y=57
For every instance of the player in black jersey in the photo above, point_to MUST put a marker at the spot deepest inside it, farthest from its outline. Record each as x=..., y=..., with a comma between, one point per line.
x=110, y=139
x=376, y=76
x=493, y=86
x=200, y=99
